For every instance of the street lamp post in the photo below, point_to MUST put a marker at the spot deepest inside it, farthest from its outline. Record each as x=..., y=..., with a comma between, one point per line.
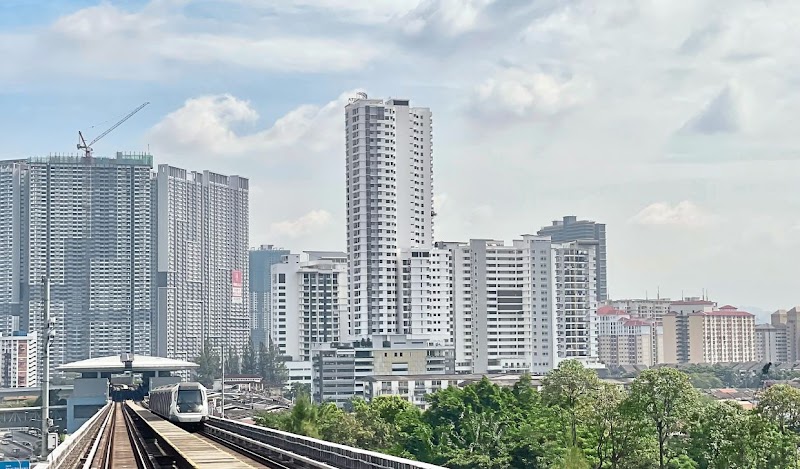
x=222, y=354
x=48, y=332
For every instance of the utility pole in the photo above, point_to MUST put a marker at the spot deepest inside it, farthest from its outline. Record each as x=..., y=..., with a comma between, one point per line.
x=222, y=353
x=47, y=336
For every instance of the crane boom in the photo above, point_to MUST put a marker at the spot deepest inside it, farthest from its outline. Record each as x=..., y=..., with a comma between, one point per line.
x=82, y=145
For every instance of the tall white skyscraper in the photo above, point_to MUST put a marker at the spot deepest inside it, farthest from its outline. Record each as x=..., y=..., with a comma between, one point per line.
x=202, y=262
x=389, y=208
x=87, y=224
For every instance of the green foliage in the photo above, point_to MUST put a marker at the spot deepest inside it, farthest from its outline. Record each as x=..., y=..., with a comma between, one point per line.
x=272, y=366
x=232, y=363
x=209, y=365
x=666, y=398
x=576, y=421
x=249, y=359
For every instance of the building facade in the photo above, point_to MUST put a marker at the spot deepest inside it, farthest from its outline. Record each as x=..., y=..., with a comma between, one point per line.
x=260, y=272
x=340, y=371
x=85, y=223
x=726, y=335
x=19, y=360
x=523, y=307
x=309, y=302
x=571, y=229
x=202, y=262
x=772, y=341
x=389, y=206
x=623, y=339
x=654, y=309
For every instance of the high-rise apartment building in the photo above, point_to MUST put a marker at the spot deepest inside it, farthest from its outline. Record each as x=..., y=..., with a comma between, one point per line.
x=86, y=223
x=522, y=307
x=309, y=302
x=11, y=216
x=426, y=282
x=726, y=335
x=571, y=229
x=202, y=262
x=261, y=262
x=389, y=197
x=623, y=339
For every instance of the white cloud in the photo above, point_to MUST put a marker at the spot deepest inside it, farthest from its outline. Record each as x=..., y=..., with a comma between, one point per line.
x=205, y=125
x=158, y=41
x=683, y=213
x=522, y=93
x=450, y=18
x=360, y=11
x=303, y=226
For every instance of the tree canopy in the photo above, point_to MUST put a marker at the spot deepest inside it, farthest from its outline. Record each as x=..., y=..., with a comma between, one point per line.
x=574, y=421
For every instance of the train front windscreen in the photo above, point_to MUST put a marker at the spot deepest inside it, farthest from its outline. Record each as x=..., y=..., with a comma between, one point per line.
x=189, y=401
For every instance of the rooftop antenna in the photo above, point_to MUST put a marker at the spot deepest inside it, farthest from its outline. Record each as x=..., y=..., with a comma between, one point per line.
x=658, y=293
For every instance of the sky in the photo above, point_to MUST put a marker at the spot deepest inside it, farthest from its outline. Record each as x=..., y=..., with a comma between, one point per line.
x=670, y=121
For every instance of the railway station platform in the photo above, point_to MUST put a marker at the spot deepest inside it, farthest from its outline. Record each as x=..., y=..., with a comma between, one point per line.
x=93, y=390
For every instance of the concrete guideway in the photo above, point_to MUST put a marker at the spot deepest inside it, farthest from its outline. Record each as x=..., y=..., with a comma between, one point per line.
x=126, y=435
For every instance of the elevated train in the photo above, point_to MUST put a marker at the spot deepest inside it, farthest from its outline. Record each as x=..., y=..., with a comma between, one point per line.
x=185, y=404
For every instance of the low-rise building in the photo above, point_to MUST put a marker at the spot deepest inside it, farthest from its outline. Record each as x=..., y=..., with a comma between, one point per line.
x=414, y=388
x=340, y=369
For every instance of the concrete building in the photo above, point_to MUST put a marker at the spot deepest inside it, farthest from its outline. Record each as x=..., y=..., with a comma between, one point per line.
x=623, y=339
x=340, y=370
x=571, y=229
x=260, y=273
x=425, y=293
x=11, y=219
x=413, y=388
x=202, y=262
x=389, y=205
x=309, y=302
x=771, y=343
x=19, y=360
x=792, y=321
x=87, y=224
x=654, y=309
x=717, y=336
x=523, y=307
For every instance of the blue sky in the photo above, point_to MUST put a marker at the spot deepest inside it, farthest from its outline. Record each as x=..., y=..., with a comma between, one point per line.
x=672, y=122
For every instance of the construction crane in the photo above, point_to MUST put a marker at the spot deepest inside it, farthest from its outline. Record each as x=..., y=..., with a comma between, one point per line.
x=87, y=147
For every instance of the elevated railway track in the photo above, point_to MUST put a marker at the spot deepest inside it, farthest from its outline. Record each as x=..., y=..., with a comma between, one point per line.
x=129, y=436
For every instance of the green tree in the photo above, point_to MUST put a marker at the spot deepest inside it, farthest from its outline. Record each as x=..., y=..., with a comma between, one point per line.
x=666, y=398
x=781, y=404
x=232, y=363
x=249, y=359
x=272, y=366
x=298, y=389
x=303, y=418
x=569, y=390
x=209, y=365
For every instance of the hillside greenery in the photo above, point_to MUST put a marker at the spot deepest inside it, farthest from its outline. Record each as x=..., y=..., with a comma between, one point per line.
x=575, y=421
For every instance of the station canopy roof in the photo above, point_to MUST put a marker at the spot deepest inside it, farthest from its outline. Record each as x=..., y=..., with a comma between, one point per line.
x=116, y=364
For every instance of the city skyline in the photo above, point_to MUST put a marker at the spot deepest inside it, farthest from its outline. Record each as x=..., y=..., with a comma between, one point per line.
x=676, y=168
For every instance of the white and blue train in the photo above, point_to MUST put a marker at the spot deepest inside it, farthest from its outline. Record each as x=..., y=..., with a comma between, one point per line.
x=182, y=403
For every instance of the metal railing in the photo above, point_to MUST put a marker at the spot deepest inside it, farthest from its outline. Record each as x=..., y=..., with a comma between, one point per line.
x=340, y=456
x=70, y=450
